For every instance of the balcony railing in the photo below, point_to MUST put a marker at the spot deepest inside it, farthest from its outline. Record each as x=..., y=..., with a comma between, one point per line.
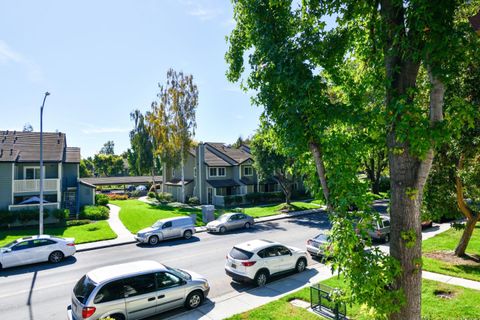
x=47, y=206
x=33, y=185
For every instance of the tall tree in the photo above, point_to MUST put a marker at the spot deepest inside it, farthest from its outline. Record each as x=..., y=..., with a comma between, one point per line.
x=141, y=155
x=272, y=160
x=108, y=148
x=183, y=93
x=108, y=165
x=27, y=127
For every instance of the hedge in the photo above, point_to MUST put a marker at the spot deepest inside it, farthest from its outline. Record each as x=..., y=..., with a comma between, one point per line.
x=95, y=213
x=101, y=199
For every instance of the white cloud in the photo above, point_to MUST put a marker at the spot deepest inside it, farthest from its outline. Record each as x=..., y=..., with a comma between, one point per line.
x=103, y=130
x=8, y=55
x=202, y=9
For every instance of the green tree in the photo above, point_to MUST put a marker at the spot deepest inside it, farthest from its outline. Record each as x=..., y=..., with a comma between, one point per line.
x=108, y=165
x=183, y=97
x=296, y=66
x=271, y=160
x=108, y=148
x=141, y=154
x=27, y=127
x=86, y=168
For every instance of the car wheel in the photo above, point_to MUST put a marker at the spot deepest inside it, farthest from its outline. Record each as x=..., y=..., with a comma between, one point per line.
x=247, y=225
x=222, y=229
x=55, y=256
x=387, y=238
x=153, y=240
x=301, y=265
x=261, y=278
x=117, y=317
x=194, y=299
x=187, y=234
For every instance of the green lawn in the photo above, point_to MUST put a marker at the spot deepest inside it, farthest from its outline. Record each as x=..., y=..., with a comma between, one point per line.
x=446, y=242
x=272, y=209
x=137, y=215
x=463, y=304
x=96, y=231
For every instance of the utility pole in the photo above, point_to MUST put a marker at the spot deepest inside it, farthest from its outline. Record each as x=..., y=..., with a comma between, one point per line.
x=42, y=173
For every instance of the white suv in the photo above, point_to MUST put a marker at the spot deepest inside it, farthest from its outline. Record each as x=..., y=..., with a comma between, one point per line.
x=257, y=260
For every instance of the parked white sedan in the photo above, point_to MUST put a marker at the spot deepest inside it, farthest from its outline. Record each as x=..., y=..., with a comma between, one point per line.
x=36, y=249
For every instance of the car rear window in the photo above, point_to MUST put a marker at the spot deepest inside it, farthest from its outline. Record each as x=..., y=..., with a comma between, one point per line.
x=83, y=289
x=240, y=254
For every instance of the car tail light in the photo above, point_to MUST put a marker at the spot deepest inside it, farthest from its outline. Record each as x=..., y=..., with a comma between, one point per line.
x=71, y=244
x=248, y=263
x=88, y=312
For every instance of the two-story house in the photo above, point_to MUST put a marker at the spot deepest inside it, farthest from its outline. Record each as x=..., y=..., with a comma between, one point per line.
x=20, y=172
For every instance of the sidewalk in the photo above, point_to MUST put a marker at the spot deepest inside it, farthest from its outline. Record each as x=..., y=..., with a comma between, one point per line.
x=238, y=302
x=125, y=237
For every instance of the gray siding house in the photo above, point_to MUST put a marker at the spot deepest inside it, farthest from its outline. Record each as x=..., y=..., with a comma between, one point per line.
x=20, y=172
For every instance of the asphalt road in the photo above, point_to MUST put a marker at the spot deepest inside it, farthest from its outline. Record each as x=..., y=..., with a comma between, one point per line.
x=42, y=291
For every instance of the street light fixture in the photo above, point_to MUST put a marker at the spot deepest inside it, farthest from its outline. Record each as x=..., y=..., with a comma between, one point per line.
x=42, y=173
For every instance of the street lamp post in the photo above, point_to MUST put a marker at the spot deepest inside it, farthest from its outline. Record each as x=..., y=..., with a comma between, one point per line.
x=42, y=173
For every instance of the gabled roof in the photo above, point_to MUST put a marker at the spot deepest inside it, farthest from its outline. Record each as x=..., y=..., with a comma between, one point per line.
x=18, y=146
x=236, y=156
x=213, y=160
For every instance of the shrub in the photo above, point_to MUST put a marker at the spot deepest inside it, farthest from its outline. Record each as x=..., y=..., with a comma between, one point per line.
x=95, y=213
x=151, y=194
x=193, y=201
x=61, y=214
x=114, y=196
x=72, y=223
x=254, y=197
x=101, y=199
x=164, y=197
x=6, y=217
x=29, y=215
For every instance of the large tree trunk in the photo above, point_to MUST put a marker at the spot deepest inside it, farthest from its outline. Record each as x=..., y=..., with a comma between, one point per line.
x=472, y=218
x=164, y=173
x=183, y=177
x=320, y=166
x=465, y=239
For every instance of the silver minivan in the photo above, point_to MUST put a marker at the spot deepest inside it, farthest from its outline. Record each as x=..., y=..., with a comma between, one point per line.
x=135, y=290
x=381, y=229
x=167, y=229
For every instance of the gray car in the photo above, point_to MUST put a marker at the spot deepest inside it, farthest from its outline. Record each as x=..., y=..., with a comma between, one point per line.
x=230, y=221
x=167, y=229
x=135, y=290
x=317, y=245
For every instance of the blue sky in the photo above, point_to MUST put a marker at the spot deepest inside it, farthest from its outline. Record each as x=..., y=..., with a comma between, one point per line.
x=102, y=59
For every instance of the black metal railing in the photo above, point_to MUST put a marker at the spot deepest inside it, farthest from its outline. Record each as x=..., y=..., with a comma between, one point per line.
x=322, y=303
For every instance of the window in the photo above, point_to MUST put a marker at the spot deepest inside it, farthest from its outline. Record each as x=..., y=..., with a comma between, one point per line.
x=221, y=191
x=240, y=254
x=167, y=225
x=109, y=292
x=42, y=242
x=31, y=173
x=248, y=171
x=167, y=280
x=194, y=171
x=139, y=285
x=217, y=172
x=386, y=223
x=83, y=289
x=271, y=252
x=23, y=245
x=283, y=251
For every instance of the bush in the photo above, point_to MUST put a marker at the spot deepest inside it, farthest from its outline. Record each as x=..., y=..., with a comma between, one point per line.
x=61, y=214
x=72, y=223
x=6, y=217
x=151, y=194
x=164, y=197
x=95, y=213
x=101, y=199
x=29, y=215
x=137, y=193
x=114, y=196
x=232, y=200
x=254, y=197
x=193, y=201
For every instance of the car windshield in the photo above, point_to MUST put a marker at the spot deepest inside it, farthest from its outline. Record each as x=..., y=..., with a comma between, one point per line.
x=182, y=274
x=157, y=224
x=240, y=254
x=8, y=245
x=83, y=289
x=224, y=217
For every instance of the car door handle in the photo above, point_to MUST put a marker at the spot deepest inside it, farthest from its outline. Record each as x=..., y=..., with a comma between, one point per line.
x=162, y=296
x=151, y=299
